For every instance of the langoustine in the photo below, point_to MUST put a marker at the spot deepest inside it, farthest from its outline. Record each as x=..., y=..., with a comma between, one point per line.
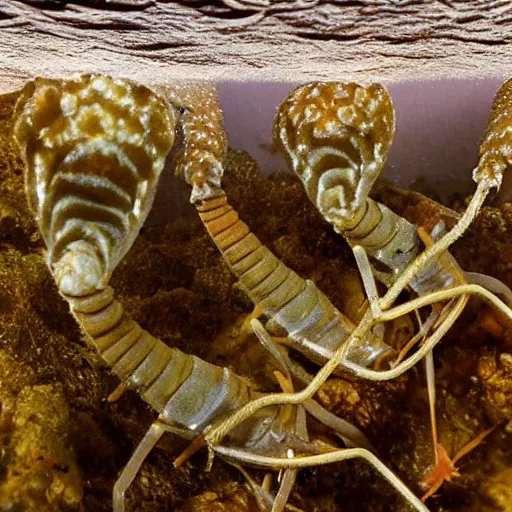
x=313, y=325
x=346, y=136
x=336, y=137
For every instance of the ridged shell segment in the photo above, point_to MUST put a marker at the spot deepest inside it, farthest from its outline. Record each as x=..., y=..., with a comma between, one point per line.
x=496, y=146
x=94, y=148
x=336, y=137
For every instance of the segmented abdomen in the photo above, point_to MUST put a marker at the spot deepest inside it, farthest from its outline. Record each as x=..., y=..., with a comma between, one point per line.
x=289, y=301
x=184, y=389
x=496, y=147
x=93, y=149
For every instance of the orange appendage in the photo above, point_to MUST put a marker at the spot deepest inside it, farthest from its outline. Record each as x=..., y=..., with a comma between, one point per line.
x=443, y=470
x=190, y=450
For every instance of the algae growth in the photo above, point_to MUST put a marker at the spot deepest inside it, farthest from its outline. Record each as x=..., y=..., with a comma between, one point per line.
x=63, y=444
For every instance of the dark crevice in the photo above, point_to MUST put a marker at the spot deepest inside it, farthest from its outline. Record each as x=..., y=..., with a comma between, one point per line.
x=398, y=40
x=468, y=39
x=421, y=57
x=109, y=24
x=226, y=13
x=200, y=4
x=326, y=37
x=110, y=5
x=217, y=9
x=47, y=4
x=504, y=20
x=353, y=3
x=155, y=47
x=469, y=18
x=61, y=34
x=112, y=25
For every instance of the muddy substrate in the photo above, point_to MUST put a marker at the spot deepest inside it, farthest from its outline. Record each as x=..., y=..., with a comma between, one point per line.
x=63, y=444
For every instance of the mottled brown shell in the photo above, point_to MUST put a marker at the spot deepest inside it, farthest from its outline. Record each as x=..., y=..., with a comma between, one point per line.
x=496, y=147
x=200, y=161
x=336, y=137
x=94, y=148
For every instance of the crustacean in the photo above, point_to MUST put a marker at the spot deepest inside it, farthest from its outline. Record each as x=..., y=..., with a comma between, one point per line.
x=336, y=137
x=332, y=145
x=94, y=148
x=312, y=323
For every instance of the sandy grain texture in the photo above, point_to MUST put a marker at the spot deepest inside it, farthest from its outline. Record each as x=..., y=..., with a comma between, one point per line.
x=298, y=40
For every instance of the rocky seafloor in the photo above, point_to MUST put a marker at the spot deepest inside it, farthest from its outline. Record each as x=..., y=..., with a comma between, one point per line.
x=62, y=444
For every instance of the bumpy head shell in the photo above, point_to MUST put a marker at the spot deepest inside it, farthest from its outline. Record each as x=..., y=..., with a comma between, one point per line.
x=204, y=143
x=336, y=137
x=496, y=146
x=93, y=148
